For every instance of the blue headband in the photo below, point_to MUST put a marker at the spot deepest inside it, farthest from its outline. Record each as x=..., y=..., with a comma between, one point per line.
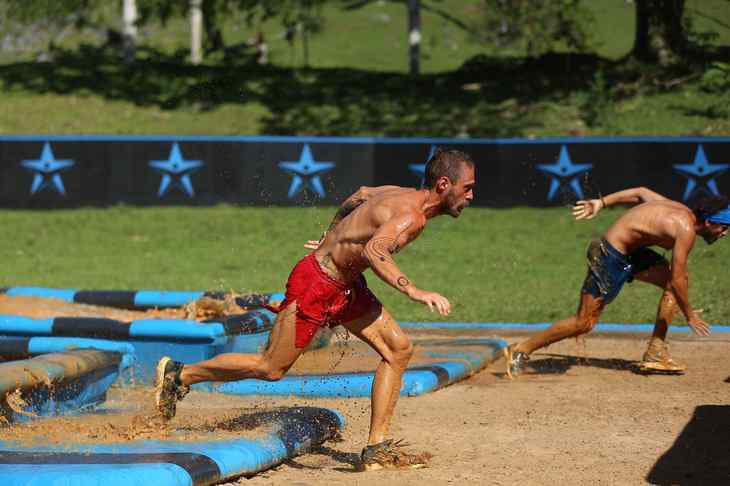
x=720, y=217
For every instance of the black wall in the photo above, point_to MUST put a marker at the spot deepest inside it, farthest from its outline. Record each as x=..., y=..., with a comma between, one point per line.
x=68, y=171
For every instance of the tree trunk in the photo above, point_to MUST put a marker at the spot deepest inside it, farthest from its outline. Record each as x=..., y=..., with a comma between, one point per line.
x=213, y=34
x=414, y=36
x=660, y=35
x=196, y=23
x=129, y=29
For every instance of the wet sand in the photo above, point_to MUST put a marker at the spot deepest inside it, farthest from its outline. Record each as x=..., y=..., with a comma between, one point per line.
x=128, y=415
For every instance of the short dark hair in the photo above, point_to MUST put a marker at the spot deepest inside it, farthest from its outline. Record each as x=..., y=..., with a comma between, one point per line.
x=446, y=162
x=707, y=206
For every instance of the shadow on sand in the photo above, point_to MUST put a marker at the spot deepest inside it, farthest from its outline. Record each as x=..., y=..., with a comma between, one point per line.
x=558, y=364
x=701, y=453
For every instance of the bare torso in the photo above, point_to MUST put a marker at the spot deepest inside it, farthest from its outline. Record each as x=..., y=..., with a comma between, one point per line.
x=650, y=223
x=342, y=253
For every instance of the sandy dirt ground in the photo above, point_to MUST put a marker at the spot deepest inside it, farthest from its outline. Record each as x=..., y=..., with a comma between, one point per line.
x=582, y=415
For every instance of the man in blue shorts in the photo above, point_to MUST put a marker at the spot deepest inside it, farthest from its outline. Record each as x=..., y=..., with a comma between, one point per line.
x=623, y=254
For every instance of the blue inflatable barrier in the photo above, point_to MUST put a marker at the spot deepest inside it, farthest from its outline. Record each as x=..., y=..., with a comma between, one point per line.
x=520, y=326
x=56, y=384
x=150, y=339
x=171, y=330
x=15, y=348
x=451, y=367
x=167, y=463
x=183, y=340
x=139, y=299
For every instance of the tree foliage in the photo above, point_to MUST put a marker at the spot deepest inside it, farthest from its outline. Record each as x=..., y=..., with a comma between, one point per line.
x=51, y=11
x=540, y=25
x=302, y=16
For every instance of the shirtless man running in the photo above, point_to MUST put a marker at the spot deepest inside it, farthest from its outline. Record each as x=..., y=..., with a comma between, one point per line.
x=327, y=288
x=623, y=254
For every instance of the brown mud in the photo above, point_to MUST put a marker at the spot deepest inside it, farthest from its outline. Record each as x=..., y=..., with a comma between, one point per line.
x=129, y=415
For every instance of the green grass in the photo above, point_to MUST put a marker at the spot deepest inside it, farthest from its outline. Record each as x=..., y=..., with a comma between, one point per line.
x=357, y=83
x=521, y=265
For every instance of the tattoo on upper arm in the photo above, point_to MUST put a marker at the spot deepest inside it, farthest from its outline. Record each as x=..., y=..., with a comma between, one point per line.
x=403, y=281
x=347, y=207
x=383, y=247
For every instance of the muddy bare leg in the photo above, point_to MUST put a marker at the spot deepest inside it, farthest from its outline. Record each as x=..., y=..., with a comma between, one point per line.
x=589, y=311
x=384, y=335
x=657, y=357
x=661, y=276
x=665, y=314
x=271, y=365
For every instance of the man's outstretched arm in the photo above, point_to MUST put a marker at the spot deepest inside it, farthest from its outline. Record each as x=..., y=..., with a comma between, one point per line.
x=683, y=244
x=589, y=209
x=386, y=241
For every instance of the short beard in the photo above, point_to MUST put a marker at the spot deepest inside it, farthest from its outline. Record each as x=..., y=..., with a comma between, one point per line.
x=453, y=212
x=710, y=239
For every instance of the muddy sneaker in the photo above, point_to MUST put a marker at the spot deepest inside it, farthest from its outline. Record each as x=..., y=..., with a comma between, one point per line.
x=168, y=388
x=657, y=358
x=516, y=361
x=389, y=455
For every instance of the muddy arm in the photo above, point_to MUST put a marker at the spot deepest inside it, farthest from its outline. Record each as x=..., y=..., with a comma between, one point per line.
x=680, y=278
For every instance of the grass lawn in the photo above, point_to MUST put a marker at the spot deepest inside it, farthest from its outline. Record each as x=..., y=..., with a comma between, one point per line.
x=519, y=265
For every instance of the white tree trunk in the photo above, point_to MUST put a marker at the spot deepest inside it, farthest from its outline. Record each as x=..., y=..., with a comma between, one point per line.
x=130, y=19
x=129, y=28
x=196, y=31
x=414, y=36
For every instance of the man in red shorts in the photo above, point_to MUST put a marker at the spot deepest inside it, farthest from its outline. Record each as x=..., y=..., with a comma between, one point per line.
x=327, y=288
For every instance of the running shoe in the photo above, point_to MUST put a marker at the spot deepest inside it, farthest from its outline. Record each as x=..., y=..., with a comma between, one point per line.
x=168, y=388
x=516, y=361
x=657, y=358
x=389, y=454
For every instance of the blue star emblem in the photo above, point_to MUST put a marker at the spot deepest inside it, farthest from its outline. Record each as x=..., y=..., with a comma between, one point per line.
x=700, y=174
x=47, y=171
x=305, y=173
x=564, y=171
x=420, y=169
x=176, y=172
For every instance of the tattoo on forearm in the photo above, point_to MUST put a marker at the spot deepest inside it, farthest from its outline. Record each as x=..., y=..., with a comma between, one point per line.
x=403, y=281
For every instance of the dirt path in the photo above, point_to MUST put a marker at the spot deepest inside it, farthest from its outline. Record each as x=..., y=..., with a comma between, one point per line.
x=589, y=422
x=575, y=421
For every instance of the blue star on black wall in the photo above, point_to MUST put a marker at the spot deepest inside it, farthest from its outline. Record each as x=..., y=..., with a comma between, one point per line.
x=420, y=169
x=47, y=171
x=305, y=173
x=176, y=172
x=563, y=172
x=700, y=175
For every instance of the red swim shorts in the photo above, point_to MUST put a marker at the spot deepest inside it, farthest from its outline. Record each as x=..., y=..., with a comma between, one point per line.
x=323, y=301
